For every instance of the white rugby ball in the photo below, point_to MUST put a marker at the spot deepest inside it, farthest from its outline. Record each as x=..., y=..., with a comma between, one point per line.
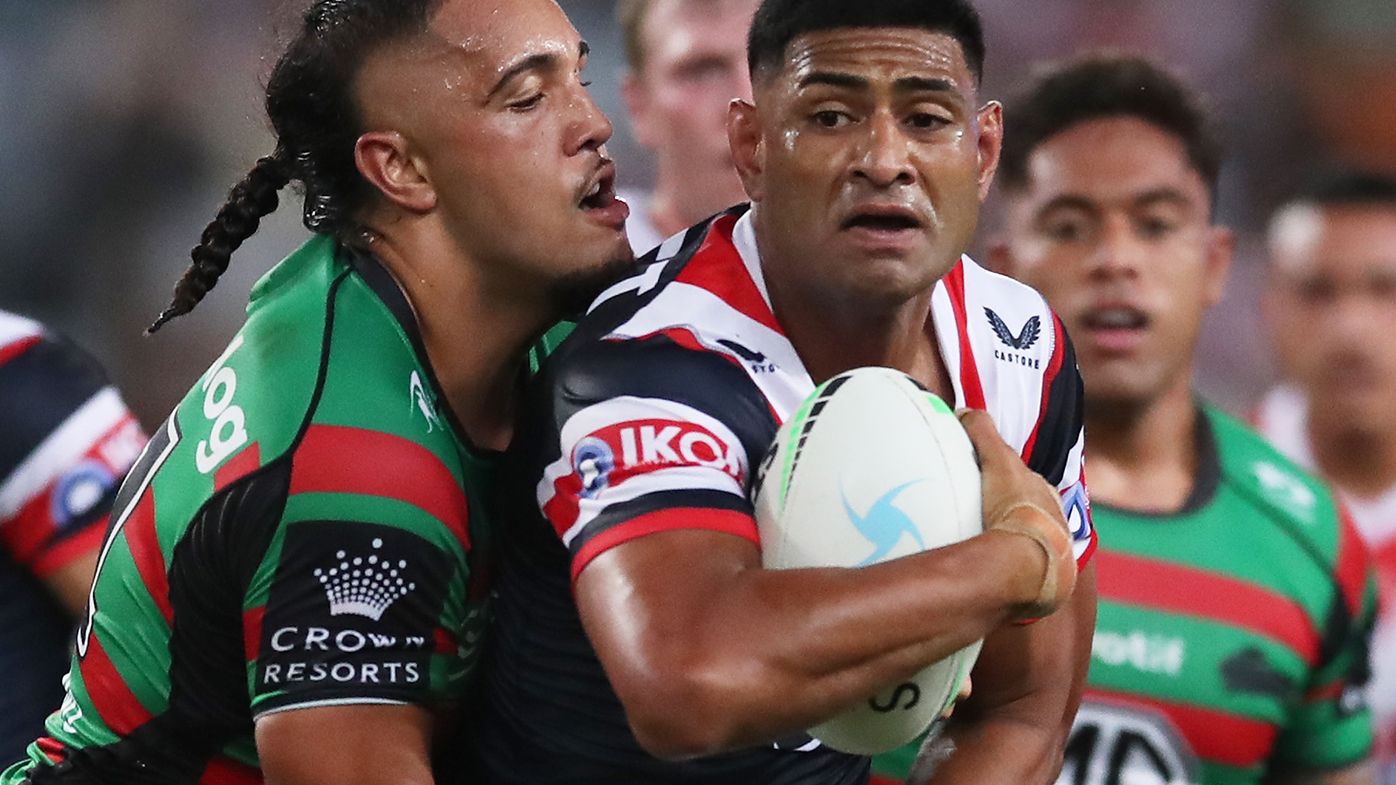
x=872, y=467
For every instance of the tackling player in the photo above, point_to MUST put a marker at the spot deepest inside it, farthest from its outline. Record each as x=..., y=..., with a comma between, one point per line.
x=1331, y=295
x=1235, y=600
x=291, y=587
x=66, y=439
x=639, y=640
x=685, y=62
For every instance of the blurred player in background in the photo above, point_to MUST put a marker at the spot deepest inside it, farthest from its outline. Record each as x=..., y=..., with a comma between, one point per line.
x=293, y=584
x=1235, y=601
x=686, y=61
x=635, y=621
x=66, y=440
x=1330, y=306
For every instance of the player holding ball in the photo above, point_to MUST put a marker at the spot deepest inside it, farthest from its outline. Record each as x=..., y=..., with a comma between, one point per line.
x=639, y=638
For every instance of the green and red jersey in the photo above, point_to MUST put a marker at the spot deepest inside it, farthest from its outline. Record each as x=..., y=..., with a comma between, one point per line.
x=1232, y=636
x=300, y=532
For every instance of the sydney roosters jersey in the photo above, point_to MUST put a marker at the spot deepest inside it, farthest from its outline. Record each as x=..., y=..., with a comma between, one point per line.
x=66, y=440
x=652, y=418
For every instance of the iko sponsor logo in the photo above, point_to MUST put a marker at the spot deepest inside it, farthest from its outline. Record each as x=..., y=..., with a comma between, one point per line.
x=617, y=451
x=1024, y=340
x=77, y=493
x=229, y=432
x=1156, y=654
x=418, y=392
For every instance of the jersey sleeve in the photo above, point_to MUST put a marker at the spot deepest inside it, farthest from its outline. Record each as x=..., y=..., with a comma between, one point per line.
x=646, y=436
x=1058, y=445
x=68, y=441
x=362, y=596
x=1332, y=726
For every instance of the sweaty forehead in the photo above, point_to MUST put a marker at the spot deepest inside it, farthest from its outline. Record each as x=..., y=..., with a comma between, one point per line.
x=879, y=53
x=490, y=35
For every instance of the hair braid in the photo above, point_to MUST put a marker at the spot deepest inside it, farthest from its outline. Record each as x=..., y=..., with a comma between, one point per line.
x=251, y=199
x=311, y=104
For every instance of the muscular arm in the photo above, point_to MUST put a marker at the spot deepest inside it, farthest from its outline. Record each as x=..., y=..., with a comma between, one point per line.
x=708, y=652
x=1027, y=686
x=365, y=744
x=71, y=582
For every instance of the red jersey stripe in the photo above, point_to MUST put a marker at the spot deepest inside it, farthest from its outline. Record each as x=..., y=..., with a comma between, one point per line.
x=444, y=642
x=14, y=349
x=1054, y=366
x=223, y=770
x=144, y=544
x=564, y=507
x=878, y=779
x=1176, y=588
x=252, y=631
x=969, y=372
x=52, y=748
x=248, y=460
x=731, y=522
x=342, y=459
x=115, y=703
x=71, y=548
x=718, y=268
x=1353, y=562
x=1217, y=736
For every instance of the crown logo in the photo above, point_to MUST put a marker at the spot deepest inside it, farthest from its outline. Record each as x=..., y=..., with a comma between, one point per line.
x=364, y=585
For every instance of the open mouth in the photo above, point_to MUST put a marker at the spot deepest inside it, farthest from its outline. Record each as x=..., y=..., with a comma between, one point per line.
x=1117, y=318
x=601, y=194
x=883, y=222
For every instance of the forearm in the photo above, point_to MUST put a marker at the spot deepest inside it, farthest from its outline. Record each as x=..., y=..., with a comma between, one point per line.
x=765, y=653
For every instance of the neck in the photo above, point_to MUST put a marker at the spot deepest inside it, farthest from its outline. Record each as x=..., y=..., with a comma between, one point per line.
x=1360, y=460
x=1143, y=456
x=681, y=199
x=476, y=334
x=836, y=335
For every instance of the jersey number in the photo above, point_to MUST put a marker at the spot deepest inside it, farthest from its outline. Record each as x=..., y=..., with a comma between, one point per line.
x=1119, y=745
x=133, y=489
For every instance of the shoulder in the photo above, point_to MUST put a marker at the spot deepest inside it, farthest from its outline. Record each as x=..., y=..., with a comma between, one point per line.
x=1274, y=485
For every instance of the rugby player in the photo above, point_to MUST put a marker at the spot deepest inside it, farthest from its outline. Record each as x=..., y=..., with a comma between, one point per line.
x=685, y=62
x=1330, y=297
x=639, y=640
x=1235, y=600
x=291, y=588
x=66, y=439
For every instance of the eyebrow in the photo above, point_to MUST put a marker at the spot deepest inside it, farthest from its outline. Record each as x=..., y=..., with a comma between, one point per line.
x=906, y=84
x=536, y=62
x=1162, y=195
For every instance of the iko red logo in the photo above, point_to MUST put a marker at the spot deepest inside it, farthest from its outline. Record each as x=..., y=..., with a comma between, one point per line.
x=611, y=455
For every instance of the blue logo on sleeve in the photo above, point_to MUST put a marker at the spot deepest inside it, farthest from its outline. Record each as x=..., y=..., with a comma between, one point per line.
x=884, y=525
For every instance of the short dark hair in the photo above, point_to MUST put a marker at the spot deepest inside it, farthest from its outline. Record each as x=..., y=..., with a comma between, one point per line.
x=1348, y=188
x=1099, y=86
x=778, y=22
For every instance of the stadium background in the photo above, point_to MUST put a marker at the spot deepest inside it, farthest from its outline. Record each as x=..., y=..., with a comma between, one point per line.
x=124, y=122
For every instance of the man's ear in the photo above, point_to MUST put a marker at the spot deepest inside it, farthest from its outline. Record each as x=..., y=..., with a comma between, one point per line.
x=748, y=146
x=990, y=121
x=384, y=159
x=1221, y=247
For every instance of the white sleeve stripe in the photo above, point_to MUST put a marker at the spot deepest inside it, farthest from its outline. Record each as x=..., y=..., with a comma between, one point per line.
x=674, y=478
x=1072, y=474
x=14, y=328
x=329, y=702
x=61, y=449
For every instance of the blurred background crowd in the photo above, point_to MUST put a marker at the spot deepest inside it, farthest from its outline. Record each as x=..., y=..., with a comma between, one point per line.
x=125, y=122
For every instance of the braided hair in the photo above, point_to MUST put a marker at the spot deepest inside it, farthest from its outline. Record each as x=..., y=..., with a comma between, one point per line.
x=310, y=102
